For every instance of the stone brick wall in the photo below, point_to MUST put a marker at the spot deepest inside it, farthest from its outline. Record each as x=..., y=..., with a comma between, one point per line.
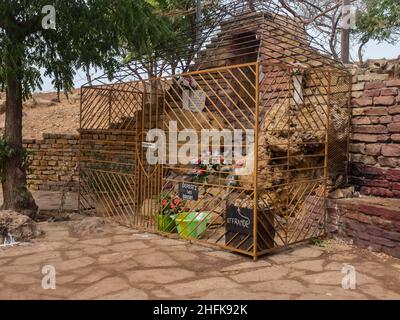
x=52, y=162
x=375, y=140
x=372, y=223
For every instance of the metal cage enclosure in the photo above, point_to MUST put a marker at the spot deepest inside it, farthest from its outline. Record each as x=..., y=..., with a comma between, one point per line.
x=257, y=72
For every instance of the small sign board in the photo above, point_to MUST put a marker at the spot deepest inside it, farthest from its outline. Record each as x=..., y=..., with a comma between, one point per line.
x=149, y=145
x=240, y=220
x=188, y=191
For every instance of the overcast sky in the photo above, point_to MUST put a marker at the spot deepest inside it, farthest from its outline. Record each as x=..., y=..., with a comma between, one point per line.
x=372, y=51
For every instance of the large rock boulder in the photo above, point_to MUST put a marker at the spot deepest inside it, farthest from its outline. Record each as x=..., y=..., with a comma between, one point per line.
x=21, y=227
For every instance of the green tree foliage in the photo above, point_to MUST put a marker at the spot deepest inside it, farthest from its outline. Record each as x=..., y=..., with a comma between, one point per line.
x=88, y=33
x=378, y=20
x=178, y=45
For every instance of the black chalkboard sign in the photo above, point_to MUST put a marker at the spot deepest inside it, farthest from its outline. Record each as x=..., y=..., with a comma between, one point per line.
x=240, y=220
x=239, y=228
x=188, y=191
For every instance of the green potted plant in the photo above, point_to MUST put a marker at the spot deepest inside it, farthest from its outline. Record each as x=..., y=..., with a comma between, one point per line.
x=170, y=207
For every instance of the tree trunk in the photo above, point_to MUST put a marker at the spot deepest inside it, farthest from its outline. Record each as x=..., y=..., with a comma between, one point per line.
x=88, y=76
x=16, y=196
x=345, y=41
x=360, y=52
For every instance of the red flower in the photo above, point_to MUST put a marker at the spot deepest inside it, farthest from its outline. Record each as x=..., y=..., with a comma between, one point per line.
x=164, y=202
x=172, y=206
x=177, y=201
x=199, y=161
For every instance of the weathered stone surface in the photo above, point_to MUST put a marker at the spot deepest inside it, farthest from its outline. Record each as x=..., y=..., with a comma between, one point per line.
x=395, y=137
x=391, y=150
x=270, y=273
x=394, y=127
x=292, y=276
x=389, y=92
x=155, y=259
x=393, y=83
x=281, y=286
x=374, y=85
x=191, y=288
x=363, y=101
x=312, y=265
x=21, y=227
x=161, y=276
x=129, y=294
x=73, y=264
x=370, y=129
x=373, y=149
x=90, y=226
x=384, y=100
x=370, y=137
x=361, y=120
x=103, y=288
x=394, y=110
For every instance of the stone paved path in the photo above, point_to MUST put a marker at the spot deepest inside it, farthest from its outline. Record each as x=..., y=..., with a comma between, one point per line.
x=128, y=264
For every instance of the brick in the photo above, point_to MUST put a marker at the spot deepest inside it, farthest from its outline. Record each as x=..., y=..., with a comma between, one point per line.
x=391, y=150
x=372, y=171
x=375, y=120
x=394, y=127
x=396, y=118
x=361, y=120
x=393, y=83
x=372, y=93
x=394, y=110
x=384, y=100
x=385, y=119
x=358, y=86
x=396, y=186
x=375, y=85
x=368, y=160
x=370, y=129
x=373, y=77
x=356, y=94
x=376, y=191
x=373, y=149
x=363, y=101
x=388, y=162
x=389, y=92
x=375, y=111
x=370, y=137
x=393, y=175
x=377, y=183
x=395, y=137
x=357, y=148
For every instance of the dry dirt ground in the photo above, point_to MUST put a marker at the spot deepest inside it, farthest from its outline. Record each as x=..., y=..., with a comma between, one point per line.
x=44, y=115
x=122, y=263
